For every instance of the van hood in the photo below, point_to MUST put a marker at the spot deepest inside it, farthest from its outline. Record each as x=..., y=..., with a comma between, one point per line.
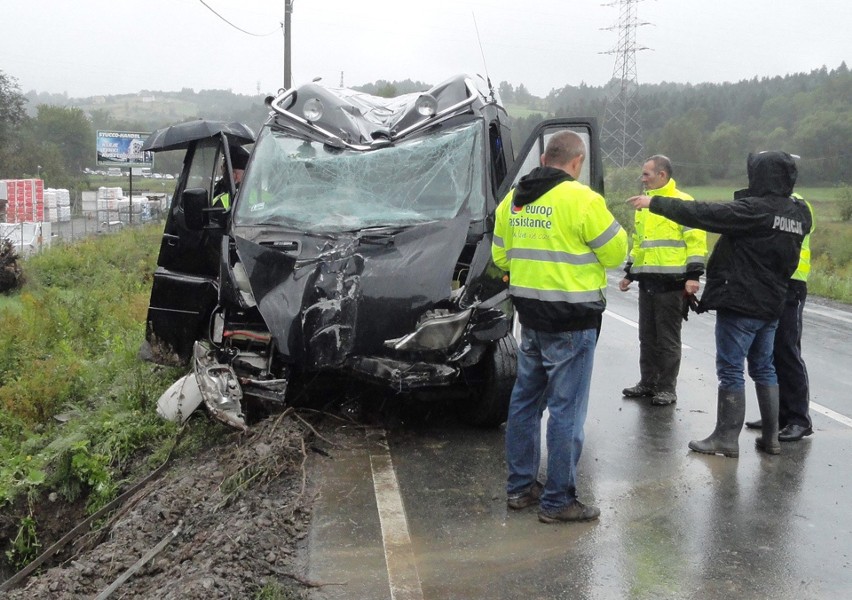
x=342, y=295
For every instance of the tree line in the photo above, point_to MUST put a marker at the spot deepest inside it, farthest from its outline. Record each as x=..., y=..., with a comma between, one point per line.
x=707, y=129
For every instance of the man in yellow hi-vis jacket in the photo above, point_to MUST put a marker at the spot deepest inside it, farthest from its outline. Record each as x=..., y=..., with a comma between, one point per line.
x=555, y=237
x=666, y=259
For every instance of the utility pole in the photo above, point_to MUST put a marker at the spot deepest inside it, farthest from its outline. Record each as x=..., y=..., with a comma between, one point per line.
x=622, y=139
x=288, y=10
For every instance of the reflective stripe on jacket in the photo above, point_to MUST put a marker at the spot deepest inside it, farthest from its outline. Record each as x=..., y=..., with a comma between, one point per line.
x=556, y=250
x=223, y=199
x=804, y=268
x=663, y=248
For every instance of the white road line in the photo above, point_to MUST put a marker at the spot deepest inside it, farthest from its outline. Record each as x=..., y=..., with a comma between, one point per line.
x=635, y=325
x=831, y=314
x=624, y=320
x=403, y=578
x=823, y=410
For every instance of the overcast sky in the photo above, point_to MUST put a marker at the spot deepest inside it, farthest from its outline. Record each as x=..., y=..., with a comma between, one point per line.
x=90, y=47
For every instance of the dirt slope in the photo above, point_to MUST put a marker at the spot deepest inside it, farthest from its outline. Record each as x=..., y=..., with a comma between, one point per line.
x=235, y=515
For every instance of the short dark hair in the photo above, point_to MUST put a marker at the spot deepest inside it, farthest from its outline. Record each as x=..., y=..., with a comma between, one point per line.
x=661, y=163
x=563, y=147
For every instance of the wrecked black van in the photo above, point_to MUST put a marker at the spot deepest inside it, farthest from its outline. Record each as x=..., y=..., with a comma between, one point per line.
x=358, y=245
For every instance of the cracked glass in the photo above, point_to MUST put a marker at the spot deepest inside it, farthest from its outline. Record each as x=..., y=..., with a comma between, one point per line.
x=315, y=188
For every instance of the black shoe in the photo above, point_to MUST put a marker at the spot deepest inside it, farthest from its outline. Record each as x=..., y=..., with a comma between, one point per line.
x=793, y=433
x=639, y=390
x=526, y=498
x=576, y=511
x=664, y=398
x=754, y=424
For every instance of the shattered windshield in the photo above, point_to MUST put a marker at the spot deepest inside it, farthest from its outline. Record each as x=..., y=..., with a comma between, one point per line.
x=312, y=187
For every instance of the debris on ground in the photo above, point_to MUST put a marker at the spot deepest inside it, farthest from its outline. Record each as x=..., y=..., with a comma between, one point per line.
x=225, y=523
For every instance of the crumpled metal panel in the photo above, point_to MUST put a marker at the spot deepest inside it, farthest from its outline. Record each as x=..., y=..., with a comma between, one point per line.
x=345, y=295
x=358, y=117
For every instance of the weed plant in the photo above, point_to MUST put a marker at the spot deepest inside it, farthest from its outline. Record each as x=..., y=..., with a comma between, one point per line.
x=77, y=407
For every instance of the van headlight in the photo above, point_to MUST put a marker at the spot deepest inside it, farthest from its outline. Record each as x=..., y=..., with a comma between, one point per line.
x=435, y=333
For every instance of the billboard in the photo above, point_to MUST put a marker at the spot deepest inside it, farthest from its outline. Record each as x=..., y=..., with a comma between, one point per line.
x=123, y=148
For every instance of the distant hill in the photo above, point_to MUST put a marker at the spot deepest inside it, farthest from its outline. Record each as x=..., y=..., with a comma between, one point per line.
x=707, y=129
x=149, y=110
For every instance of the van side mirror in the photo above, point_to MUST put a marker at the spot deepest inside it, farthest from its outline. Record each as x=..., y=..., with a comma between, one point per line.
x=194, y=202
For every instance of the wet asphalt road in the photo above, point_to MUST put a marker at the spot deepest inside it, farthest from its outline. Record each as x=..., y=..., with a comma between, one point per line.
x=419, y=512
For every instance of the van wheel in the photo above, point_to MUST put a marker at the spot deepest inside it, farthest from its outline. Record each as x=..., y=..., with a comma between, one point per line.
x=491, y=381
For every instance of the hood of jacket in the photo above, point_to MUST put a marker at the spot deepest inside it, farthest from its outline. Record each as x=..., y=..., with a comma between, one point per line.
x=770, y=174
x=537, y=183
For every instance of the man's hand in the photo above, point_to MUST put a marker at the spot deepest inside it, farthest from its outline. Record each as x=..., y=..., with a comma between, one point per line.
x=624, y=284
x=691, y=286
x=640, y=202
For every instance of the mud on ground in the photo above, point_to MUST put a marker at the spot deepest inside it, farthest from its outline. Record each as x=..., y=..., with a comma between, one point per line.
x=235, y=515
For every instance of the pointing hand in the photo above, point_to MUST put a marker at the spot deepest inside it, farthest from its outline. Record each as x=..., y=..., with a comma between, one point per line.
x=639, y=202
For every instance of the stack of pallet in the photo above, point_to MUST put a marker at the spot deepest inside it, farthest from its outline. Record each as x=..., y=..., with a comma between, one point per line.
x=25, y=200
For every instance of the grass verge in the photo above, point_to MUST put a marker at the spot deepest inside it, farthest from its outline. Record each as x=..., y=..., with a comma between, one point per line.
x=77, y=414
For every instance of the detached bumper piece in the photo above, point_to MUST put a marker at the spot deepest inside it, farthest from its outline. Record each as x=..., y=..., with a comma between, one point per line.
x=219, y=387
x=404, y=376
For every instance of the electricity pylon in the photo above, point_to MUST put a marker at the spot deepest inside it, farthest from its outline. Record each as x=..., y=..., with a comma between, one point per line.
x=622, y=139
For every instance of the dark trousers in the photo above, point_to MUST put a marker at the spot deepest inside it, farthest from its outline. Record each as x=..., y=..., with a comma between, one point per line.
x=787, y=355
x=660, y=321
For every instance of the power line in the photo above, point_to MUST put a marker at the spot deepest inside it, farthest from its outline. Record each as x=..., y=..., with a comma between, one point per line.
x=622, y=136
x=208, y=7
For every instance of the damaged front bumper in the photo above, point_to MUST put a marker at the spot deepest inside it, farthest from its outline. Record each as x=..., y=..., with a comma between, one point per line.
x=220, y=388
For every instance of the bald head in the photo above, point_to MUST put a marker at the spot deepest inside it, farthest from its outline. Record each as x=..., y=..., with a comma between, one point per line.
x=566, y=151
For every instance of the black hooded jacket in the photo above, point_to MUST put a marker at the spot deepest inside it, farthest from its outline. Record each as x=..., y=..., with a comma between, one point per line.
x=537, y=183
x=762, y=231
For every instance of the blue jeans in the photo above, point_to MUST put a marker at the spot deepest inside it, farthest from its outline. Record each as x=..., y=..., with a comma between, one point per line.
x=554, y=371
x=739, y=338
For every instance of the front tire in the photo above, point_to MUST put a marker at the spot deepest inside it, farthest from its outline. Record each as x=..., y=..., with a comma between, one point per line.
x=491, y=381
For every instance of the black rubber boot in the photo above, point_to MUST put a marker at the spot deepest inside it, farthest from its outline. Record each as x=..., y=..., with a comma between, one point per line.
x=730, y=414
x=767, y=400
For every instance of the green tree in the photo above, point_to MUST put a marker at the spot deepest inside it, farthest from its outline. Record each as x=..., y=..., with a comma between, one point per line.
x=824, y=141
x=726, y=148
x=522, y=95
x=506, y=91
x=70, y=131
x=683, y=140
x=12, y=114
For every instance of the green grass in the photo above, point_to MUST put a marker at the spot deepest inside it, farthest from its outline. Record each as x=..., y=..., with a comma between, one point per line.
x=76, y=404
x=519, y=111
x=726, y=192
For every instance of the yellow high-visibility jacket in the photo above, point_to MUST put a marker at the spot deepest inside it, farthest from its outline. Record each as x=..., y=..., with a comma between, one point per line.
x=804, y=268
x=224, y=199
x=556, y=249
x=664, y=251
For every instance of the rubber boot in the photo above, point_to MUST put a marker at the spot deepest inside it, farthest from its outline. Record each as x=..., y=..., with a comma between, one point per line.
x=730, y=414
x=767, y=400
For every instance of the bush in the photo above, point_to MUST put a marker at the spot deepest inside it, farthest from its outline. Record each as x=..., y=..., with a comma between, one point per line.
x=844, y=200
x=11, y=276
x=68, y=346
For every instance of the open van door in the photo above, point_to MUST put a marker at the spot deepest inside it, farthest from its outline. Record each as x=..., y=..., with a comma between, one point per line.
x=530, y=153
x=529, y=158
x=185, y=289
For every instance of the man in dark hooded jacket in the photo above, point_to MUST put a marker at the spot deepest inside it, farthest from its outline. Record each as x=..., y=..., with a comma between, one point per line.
x=747, y=277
